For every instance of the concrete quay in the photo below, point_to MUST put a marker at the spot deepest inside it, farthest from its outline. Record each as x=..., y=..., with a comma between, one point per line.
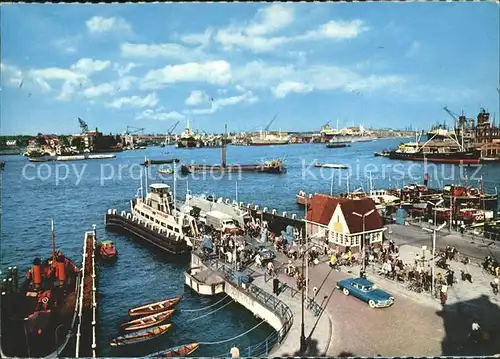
x=253, y=290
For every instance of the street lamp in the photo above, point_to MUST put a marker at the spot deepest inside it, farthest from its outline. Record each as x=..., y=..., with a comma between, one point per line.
x=434, y=231
x=303, y=343
x=362, y=246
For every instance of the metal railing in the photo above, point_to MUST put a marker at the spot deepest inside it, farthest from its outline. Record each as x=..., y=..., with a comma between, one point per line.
x=266, y=299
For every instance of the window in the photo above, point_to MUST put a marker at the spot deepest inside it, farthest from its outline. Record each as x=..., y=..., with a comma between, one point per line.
x=170, y=227
x=163, y=224
x=356, y=240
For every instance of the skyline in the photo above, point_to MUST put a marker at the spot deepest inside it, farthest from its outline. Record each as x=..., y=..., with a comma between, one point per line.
x=149, y=65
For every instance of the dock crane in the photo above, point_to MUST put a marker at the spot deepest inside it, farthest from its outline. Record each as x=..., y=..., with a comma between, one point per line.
x=135, y=130
x=83, y=126
x=168, y=137
x=460, y=119
x=270, y=123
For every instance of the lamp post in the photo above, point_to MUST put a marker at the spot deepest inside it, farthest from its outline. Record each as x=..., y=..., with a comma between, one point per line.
x=303, y=343
x=434, y=231
x=362, y=246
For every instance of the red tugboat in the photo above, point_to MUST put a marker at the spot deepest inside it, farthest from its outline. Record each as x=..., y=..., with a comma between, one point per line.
x=107, y=250
x=39, y=315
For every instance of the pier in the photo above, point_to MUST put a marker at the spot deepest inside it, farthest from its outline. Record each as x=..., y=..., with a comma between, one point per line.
x=252, y=289
x=86, y=342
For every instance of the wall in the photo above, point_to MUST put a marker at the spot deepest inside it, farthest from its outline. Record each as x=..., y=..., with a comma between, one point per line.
x=254, y=306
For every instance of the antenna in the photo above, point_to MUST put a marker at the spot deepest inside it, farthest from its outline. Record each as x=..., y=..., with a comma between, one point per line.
x=53, y=243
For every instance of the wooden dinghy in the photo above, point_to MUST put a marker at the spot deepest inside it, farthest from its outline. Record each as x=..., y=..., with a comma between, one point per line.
x=140, y=336
x=148, y=321
x=180, y=351
x=151, y=308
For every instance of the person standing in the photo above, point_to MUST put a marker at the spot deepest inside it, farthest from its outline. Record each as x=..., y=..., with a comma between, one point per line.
x=235, y=352
x=444, y=294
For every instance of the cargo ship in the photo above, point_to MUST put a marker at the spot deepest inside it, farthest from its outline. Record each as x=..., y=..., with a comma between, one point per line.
x=39, y=315
x=187, y=139
x=267, y=139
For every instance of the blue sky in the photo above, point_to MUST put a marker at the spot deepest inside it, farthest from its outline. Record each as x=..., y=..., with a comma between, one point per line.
x=151, y=65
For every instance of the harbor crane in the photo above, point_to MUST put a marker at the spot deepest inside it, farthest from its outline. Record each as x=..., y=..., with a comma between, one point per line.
x=460, y=119
x=171, y=129
x=270, y=123
x=135, y=130
x=83, y=126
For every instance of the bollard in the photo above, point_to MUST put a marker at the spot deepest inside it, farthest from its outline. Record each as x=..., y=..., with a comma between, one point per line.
x=16, y=278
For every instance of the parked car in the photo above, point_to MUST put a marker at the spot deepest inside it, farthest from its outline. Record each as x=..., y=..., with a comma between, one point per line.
x=367, y=291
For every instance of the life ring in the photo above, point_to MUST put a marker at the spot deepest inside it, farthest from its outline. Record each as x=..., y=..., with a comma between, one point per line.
x=45, y=300
x=479, y=217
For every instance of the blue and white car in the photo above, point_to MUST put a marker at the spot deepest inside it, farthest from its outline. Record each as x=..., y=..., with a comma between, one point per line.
x=367, y=291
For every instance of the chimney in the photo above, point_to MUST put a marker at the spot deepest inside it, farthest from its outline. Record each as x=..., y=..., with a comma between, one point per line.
x=223, y=148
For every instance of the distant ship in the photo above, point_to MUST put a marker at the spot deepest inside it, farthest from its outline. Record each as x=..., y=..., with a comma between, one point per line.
x=444, y=153
x=187, y=139
x=269, y=140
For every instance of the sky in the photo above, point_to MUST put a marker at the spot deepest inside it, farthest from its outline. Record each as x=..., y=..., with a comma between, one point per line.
x=150, y=65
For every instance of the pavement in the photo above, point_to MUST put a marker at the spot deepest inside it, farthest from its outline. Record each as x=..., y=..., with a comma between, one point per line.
x=317, y=328
x=416, y=325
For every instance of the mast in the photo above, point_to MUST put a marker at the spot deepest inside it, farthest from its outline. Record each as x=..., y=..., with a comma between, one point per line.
x=175, y=185
x=187, y=192
x=53, y=243
x=371, y=183
x=146, y=178
x=141, y=188
x=237, y=192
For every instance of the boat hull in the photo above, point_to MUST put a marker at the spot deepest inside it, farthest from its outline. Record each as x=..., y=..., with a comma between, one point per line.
x=140, y=336
x=337, y=145
x=154, y=308
x=118, y=223
x=268, y=143
x=232, y=168
x=459, y=158
x=180, y=351
x=44, y=345
x=147, y=322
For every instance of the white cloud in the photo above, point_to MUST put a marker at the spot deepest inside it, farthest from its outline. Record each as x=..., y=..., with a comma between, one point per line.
x=135, y=101
x=89, y=66
x=336, y=30
x=12, y=73
x=217, y=104
x=201, y=39
x=214, y=72
x=285, y=88
x=158, y=115
x=167, y=50
x=124, y=69
x=99, y=90
x=258, y=35
x=196, y=98
x=287, y=79
x=67, y=45
x=99, y=24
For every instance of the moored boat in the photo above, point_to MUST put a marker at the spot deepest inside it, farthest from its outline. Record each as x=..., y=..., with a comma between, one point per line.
x=331, y=165
x=107, y=250
x=39, y=316
x=151, y=308
x=148, y=321
x=140, y=336
x=2, y=164
x=179, y=351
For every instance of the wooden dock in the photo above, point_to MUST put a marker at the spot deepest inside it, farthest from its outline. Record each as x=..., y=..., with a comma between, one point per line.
x=86, y=338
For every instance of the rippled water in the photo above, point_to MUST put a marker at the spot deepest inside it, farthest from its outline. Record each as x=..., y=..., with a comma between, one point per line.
x=141, y=274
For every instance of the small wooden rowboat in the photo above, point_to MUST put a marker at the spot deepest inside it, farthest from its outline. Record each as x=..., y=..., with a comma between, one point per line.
x=180, y=351
x=140, y=336
x=151, y=308
x=147, y=322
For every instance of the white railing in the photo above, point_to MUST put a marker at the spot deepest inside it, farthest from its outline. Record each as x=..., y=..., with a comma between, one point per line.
x=80, y=299
x=94, y=303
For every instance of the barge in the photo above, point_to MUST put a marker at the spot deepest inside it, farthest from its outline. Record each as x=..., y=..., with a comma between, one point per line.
x=273, y=166
x=70, y=158
x=149, y=162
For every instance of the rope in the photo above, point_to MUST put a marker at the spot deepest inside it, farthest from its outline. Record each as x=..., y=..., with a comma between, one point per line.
x=230, y=339
x=197, y=310
x=216, y=310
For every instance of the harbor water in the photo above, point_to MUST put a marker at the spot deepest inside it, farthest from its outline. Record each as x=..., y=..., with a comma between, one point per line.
x=77, y=195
